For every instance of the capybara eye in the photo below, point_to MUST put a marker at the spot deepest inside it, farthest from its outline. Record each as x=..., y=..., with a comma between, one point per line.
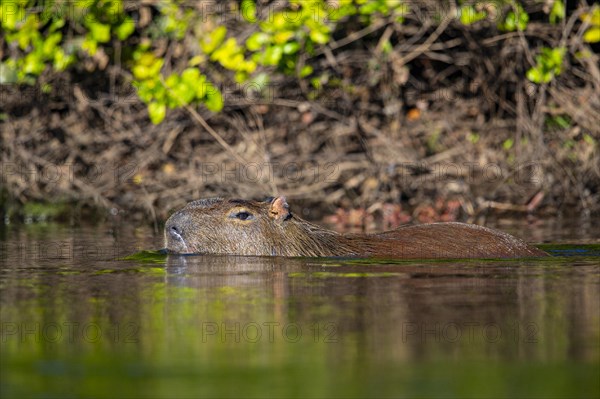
x=242, y=215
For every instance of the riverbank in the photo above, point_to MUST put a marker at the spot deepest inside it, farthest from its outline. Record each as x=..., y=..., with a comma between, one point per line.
x=421, y=120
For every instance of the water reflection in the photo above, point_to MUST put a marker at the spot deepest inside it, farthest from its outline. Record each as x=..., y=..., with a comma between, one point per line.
x=193, y=325
x=507, y=310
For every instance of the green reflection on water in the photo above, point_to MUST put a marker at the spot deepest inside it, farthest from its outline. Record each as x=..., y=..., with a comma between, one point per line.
x=235, y=326
x=147, y=257
x=346, y=274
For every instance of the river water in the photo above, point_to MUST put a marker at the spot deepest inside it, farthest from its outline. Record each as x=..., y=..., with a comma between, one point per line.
x=80, y=317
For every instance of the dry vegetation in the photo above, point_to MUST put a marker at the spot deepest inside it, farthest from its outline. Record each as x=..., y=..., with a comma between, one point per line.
x=444, y=124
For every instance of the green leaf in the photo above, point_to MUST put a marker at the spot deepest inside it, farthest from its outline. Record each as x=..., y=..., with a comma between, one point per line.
x=100, y=32
x=547, y=77
x=305, y=71
x=516, y=19
x=283, y=36
x=89, y=45
x=241, y=76
x=369, y=8
x=534, y=75
x=256, y=41
x=248, y=66
x=508, y=144
x=143, y=91
x=183, y=93
x=592, y=18
x=196, y=60
x=589, y=139
x=280, y=20
x=23, y=40
x=469, y=15
x=125, y=30
x=201, y=87
x=9, y=19
x=523, y=21
x=62, y=60
x=214, y=40
x=190, y=76
x=141, y=72
x=172, y=80
x=562, y=122
x=548, y=64
x=555, y=56
x=316, y=83
x=226, y=52
x=248, y=9
x=214, y=100
x=155, y=68
x=147, y=66
x=272, y=55
x=557, y=13
x=473, y=138
x=50, y=43
x=592, y=35
x=157, y=112
x=319, y=37
x=57, y=24
x=291, y=48
x=33, y=64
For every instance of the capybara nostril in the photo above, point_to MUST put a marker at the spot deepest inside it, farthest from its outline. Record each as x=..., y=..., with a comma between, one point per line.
x=174, y=230
x=177, y=225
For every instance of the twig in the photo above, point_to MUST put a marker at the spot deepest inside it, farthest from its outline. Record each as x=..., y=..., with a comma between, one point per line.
x=432, y=38
x=353, y=37
x=215, y=135
x=206, y=126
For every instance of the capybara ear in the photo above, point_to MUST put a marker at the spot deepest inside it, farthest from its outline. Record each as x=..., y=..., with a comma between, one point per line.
x=279, y=210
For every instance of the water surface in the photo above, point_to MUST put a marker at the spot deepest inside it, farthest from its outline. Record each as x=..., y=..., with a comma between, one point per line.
x=79, y=320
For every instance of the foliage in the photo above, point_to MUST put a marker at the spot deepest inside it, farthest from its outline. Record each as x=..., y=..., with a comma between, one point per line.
x=362, y=83
x=548, y=65
x=55, y=35
x=277, y=42
x=592, y=18
x=516, y=19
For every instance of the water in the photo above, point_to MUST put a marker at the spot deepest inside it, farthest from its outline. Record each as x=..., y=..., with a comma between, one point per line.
x=77, y=319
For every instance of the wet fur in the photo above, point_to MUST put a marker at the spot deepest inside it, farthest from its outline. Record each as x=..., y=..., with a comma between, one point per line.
x=207, y=227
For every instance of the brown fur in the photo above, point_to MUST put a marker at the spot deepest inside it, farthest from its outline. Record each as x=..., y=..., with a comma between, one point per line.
x=240, y=227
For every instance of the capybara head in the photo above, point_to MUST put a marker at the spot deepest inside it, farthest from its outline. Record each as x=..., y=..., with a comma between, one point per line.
x=229, y=226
